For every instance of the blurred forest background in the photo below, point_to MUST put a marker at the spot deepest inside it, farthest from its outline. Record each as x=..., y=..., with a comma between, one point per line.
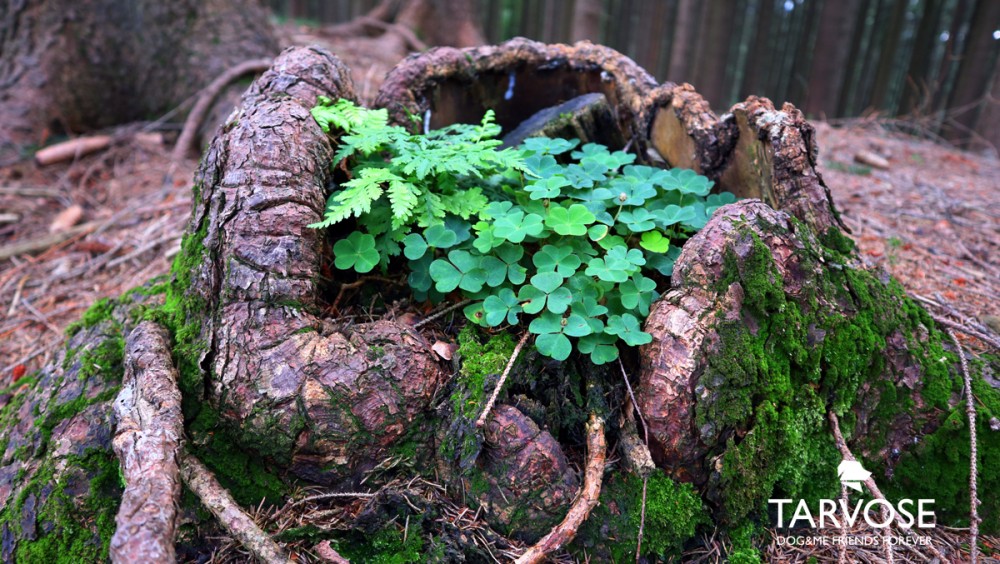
x=933, y=63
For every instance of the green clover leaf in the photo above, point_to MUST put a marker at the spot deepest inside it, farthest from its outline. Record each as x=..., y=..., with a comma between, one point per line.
x=545, y=291
x=600, y=346
x=515, y=226
x=687, y=181
x=561, y=259
x=546, y=188
x=440, y=237
x=637, y=220
x=553, y=330
x=626, y=327
x=462, y=272
x=357, y=251
x=549, y=146
x=673, y=214
x=638, y=293
x=654, y=241
x=414, y=246
x=503, y=306
x=504, y=265
x=616, y=265
x=569, y=221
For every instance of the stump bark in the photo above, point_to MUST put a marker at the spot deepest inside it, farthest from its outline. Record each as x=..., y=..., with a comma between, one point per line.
x=770, y=322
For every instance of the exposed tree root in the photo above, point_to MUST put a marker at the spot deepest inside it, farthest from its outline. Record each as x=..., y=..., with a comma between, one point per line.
x=503, y=378
x=204, y=103
x=564, y=532
x=215, y=497
x=148, y=439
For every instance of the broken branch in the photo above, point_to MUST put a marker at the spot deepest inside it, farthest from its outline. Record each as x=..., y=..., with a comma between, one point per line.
x=564, y=532
x=148, y=439
x=72, y=149
x=215, y=497
x=503, y=378
x=970, y=410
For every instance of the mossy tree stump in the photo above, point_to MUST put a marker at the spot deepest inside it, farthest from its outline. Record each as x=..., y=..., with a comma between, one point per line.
x=770, y=322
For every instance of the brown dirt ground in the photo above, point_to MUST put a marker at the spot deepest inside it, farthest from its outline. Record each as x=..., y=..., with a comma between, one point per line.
x=932, y=219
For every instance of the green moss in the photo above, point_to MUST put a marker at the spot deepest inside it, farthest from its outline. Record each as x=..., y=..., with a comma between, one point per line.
x=104, y=360
x=386, y=546
x=674, y=512
x=938, y=467
x=246, y=475
x=99, y=311
x=744, y=550
x=788, y=360
x=479, y=360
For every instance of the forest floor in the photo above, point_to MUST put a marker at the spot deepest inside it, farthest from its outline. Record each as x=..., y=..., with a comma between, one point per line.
x=932, y=219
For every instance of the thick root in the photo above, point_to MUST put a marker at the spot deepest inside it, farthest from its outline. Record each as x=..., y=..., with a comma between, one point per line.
x=148, y=440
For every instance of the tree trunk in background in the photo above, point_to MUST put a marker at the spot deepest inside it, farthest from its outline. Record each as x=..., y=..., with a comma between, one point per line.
x=826, y=70
x=711, y=57
x=988, y=124
x=682, y=53
x=917, y=86
x=952, y=54
x=443, y=22
x=586, y=20
x=853, y=71
x=974, y=72
x=755, y=81
x=883, y=76
x=75, y=65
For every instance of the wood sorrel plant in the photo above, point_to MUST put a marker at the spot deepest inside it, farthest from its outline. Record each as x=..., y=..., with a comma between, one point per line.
x=550, y=235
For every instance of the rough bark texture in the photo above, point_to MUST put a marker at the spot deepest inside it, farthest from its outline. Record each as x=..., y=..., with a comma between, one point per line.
x=148, y=441
x=530, y=482
x=754, y=151
x=326, y=398
x=75, y=66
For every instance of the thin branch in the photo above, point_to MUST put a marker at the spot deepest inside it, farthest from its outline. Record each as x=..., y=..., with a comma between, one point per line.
x=970, y=410
x=564, y=532
x=873, y=488
x=503, y=378
x=230, y=515
x=441, y=313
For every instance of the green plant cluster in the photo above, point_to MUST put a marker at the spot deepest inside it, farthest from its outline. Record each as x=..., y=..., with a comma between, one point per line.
x=560, y=237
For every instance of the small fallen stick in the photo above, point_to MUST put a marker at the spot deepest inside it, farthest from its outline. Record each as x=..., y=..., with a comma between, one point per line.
x=200, y=480
x=147, y=441
x=564, y=532
x=970, y=410
x=873, y=489
x=503, y=378
x=71, y=149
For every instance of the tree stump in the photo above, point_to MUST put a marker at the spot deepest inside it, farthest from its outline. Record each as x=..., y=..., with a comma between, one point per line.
x=770, y=322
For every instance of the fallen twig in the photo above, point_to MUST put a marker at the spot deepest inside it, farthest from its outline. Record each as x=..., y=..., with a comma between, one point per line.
x=870, y=484
x=46, y=241
x=564, y=532
x=230, y=515
x=74, y=148
x=438, y=315
x=503, y=378
x=970, y=410
x=147, y=441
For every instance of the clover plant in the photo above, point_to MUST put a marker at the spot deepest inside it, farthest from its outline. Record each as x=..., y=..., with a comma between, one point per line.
x=552, y=235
